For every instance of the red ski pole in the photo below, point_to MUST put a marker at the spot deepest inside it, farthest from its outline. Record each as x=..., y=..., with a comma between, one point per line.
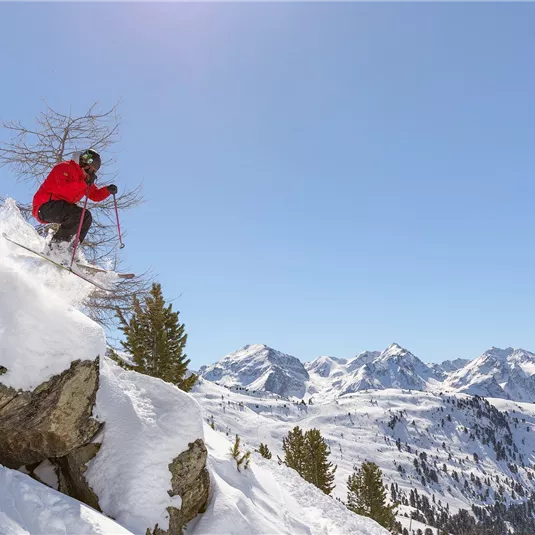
x=118, y=224
x=79, y=227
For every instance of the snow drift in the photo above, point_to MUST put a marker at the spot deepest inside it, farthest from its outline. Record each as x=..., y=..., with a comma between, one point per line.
x=148, y=422
x=38, y=327
x=31, y=508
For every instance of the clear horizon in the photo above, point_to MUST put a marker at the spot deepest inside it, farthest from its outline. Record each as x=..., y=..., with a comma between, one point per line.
x=324, y=179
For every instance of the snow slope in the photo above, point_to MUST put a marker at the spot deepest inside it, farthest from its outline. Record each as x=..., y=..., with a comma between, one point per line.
x=366, y=425
x=30, y=508
x=39, y=322
x=267, y=499
x=148, y=422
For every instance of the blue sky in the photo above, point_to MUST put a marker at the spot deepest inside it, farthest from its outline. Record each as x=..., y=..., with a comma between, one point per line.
x=324, y=179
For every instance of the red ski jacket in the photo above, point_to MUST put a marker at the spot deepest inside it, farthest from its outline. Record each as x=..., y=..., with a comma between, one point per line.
x=66, y=182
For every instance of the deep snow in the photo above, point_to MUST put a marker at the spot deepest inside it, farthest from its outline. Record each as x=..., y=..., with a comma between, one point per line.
x=30, y=508
x=270, y=499
x=148, y=422
x=41, y=332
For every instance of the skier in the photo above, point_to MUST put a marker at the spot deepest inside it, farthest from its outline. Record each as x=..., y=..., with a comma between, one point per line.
x=55, y=201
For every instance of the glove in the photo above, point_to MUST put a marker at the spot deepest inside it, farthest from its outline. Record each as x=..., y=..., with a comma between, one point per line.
x=90, y=178
x=112, y=188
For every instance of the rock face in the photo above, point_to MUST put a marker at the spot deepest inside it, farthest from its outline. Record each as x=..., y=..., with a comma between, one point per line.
x=54, y=422
x=50, y=421
x=191, y=481
x=71, y=469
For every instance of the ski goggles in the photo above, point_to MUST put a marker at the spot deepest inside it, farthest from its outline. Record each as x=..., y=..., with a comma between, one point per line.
x=90, y=160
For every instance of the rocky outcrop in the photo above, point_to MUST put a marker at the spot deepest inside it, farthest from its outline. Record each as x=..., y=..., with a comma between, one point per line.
x=71, y=469
x=52, y=420
x=190, y=480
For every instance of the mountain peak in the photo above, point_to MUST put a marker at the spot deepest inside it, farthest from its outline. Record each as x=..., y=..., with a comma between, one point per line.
x=259, y=367
x=395, y=351
x=498, y=353
x=325, y=365
x=254, y=347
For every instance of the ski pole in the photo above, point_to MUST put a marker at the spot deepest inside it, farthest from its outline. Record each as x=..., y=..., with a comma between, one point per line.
x=79, y=227
x=118, y=224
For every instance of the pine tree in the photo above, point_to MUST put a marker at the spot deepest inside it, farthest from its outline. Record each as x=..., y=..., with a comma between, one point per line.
x=294, y=450
x=366, y=496
x=307, y=454
x=319, y=470
x=264, y=451
x=156, y=339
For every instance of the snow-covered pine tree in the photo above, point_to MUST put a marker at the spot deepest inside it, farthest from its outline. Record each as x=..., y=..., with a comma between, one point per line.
x=156, y=339
x=366, y=495
x=319, y=470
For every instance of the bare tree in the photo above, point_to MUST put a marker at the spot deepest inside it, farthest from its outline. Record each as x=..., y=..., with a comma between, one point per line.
x=31, y=152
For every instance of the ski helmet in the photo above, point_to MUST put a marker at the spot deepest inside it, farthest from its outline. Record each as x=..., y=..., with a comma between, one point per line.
x=91, y=158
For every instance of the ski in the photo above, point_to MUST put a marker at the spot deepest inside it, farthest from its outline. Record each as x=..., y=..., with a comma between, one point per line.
x=57, y=264
x=96, y=269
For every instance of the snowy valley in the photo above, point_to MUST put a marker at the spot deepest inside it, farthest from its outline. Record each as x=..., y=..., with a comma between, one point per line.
x=443, y=442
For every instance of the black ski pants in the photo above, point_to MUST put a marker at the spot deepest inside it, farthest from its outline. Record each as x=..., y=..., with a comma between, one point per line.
x=68, y=216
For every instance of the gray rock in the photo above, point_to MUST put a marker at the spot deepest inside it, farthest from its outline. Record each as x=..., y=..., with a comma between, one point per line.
x=189, y=480
x=52, y=420
x=71, y=469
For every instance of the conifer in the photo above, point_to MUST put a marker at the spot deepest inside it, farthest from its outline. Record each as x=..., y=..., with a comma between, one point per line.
x=264, y=451
x=366, y=495
x=156, y=339
x=307, y=454
x=319, y=470
x=294, y=450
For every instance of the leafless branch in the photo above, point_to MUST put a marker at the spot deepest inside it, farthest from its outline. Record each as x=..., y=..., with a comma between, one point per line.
x=30, y=154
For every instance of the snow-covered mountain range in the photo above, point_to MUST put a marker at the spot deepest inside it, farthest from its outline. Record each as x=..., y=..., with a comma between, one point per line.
x=499, y=373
